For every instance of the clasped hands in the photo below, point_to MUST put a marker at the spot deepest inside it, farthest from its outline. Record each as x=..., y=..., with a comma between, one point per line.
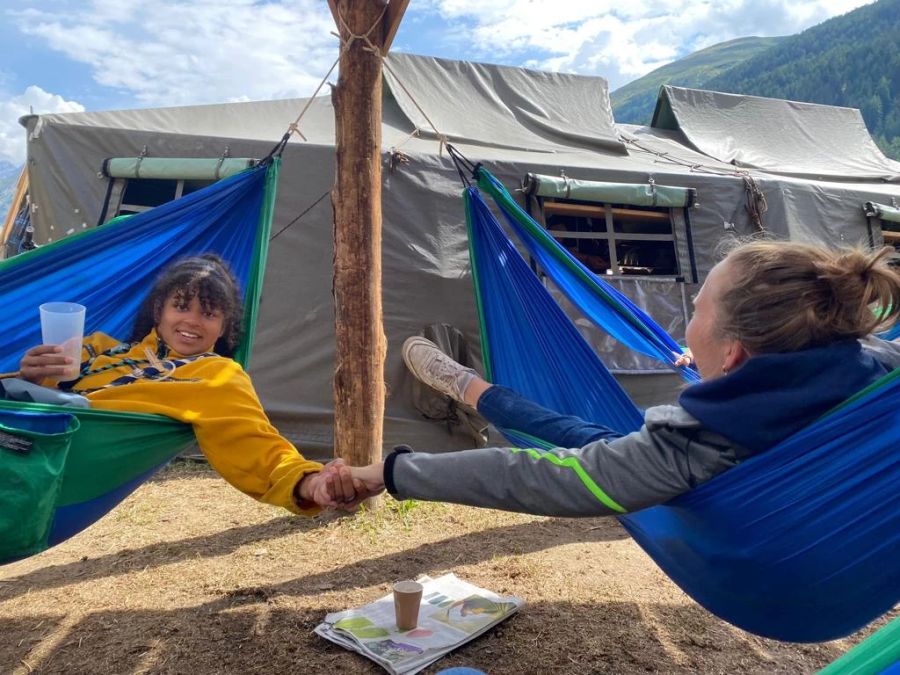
x=343, y=487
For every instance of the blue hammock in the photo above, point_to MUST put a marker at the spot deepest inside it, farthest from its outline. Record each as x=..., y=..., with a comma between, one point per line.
x=84, y=462
x=110, y=269
x=799, y=544
x=892, y=334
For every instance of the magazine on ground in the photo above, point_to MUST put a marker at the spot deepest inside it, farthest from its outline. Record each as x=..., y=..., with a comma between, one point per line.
x=451, y=613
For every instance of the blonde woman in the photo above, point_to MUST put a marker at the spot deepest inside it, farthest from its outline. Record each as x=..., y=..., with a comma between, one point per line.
x=781, y=333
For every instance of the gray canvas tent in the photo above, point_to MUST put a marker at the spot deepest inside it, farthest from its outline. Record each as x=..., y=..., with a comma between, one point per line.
x=601, y=186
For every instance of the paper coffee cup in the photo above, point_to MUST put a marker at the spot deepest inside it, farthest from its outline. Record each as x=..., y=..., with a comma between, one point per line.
x=407, y=598
x=62, y=323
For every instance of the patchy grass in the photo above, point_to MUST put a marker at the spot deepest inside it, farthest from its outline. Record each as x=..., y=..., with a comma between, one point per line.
x=190, y=576
x=388, y=517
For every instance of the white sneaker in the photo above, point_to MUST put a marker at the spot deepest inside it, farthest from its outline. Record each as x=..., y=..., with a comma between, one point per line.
x=433, y=367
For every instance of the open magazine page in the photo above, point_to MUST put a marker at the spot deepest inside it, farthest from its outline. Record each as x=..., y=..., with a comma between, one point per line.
x=451, y=613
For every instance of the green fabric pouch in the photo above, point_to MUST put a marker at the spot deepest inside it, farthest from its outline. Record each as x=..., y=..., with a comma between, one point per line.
x=33, y=453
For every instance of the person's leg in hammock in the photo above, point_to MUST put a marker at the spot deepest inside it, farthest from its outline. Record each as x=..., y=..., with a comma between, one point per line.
x=499, y=405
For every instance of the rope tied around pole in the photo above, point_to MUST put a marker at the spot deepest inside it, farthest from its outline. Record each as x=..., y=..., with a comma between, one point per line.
x=345, y=44
x=443, y=139
x=353, y=37
x=294, y=127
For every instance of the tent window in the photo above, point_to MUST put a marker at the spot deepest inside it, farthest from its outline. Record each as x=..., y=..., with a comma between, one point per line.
x=137, y=184
x=886, y=219
x=142, y=194
x=891, y=234
x=616, y=239
x=890, y=231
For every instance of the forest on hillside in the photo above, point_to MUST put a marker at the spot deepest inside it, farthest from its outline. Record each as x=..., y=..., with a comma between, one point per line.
x=852, y=60
x=634, y=103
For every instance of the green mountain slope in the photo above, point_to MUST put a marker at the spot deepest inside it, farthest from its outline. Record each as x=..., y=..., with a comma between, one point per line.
x=634, y=103
x=851, y=60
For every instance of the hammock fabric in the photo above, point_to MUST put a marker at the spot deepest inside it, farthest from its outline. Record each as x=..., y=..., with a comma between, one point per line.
x=879, y=653
x=82, y=462
x=799, y=544
x=892, y=334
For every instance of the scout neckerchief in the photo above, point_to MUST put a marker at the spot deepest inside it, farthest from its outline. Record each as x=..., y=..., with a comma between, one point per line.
x=154, y=367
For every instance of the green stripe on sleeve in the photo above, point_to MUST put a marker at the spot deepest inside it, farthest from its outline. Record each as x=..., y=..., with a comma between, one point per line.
x=573, y=464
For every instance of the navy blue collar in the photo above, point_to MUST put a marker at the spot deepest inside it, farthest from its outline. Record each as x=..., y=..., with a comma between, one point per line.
x=773, y=396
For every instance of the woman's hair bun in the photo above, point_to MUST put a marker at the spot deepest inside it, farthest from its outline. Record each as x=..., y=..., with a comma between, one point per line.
x=787, y=296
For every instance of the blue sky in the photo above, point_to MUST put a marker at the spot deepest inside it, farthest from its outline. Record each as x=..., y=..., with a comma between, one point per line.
x=71, y=55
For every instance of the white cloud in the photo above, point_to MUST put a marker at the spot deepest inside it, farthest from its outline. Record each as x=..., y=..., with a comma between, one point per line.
x=173, y=52
x=168, y=52
x=619, y=42
x=12, y=135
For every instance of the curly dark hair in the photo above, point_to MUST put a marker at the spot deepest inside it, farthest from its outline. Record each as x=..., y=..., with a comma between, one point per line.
x=206, y=277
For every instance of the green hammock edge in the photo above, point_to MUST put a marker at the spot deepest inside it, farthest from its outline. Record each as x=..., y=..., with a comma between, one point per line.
x=501, y=195
x=884, y=380
x=258, y=265
x=114, y=447
x=111, y=447
x=26, y=256
x=476, y=283
x=871, y=656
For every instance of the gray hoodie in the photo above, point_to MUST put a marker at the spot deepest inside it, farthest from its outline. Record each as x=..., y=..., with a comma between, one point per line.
x=669, y=455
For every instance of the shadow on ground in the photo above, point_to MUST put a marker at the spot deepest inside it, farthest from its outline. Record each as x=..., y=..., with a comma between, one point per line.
x=466, y=549
x=264, y=636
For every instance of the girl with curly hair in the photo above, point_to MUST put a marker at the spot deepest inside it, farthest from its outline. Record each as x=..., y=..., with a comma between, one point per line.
x=178, y=363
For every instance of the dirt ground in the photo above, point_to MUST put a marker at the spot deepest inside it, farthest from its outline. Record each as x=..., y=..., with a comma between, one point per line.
x=188, y=576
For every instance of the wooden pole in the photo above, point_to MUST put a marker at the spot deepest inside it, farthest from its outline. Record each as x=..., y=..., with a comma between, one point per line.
x=356, y=200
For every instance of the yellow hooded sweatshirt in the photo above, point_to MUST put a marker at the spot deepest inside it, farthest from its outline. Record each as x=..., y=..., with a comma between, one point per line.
x=216, y=396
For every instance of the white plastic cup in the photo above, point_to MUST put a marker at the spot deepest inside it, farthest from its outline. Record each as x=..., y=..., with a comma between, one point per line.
x=62, y=323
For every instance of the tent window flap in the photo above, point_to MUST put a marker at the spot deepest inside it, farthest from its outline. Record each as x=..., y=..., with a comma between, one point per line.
x=617, y=228
x=138, y=184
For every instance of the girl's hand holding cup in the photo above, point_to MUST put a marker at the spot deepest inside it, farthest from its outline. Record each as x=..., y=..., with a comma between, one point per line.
x=47, y=361
x=59, y=358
